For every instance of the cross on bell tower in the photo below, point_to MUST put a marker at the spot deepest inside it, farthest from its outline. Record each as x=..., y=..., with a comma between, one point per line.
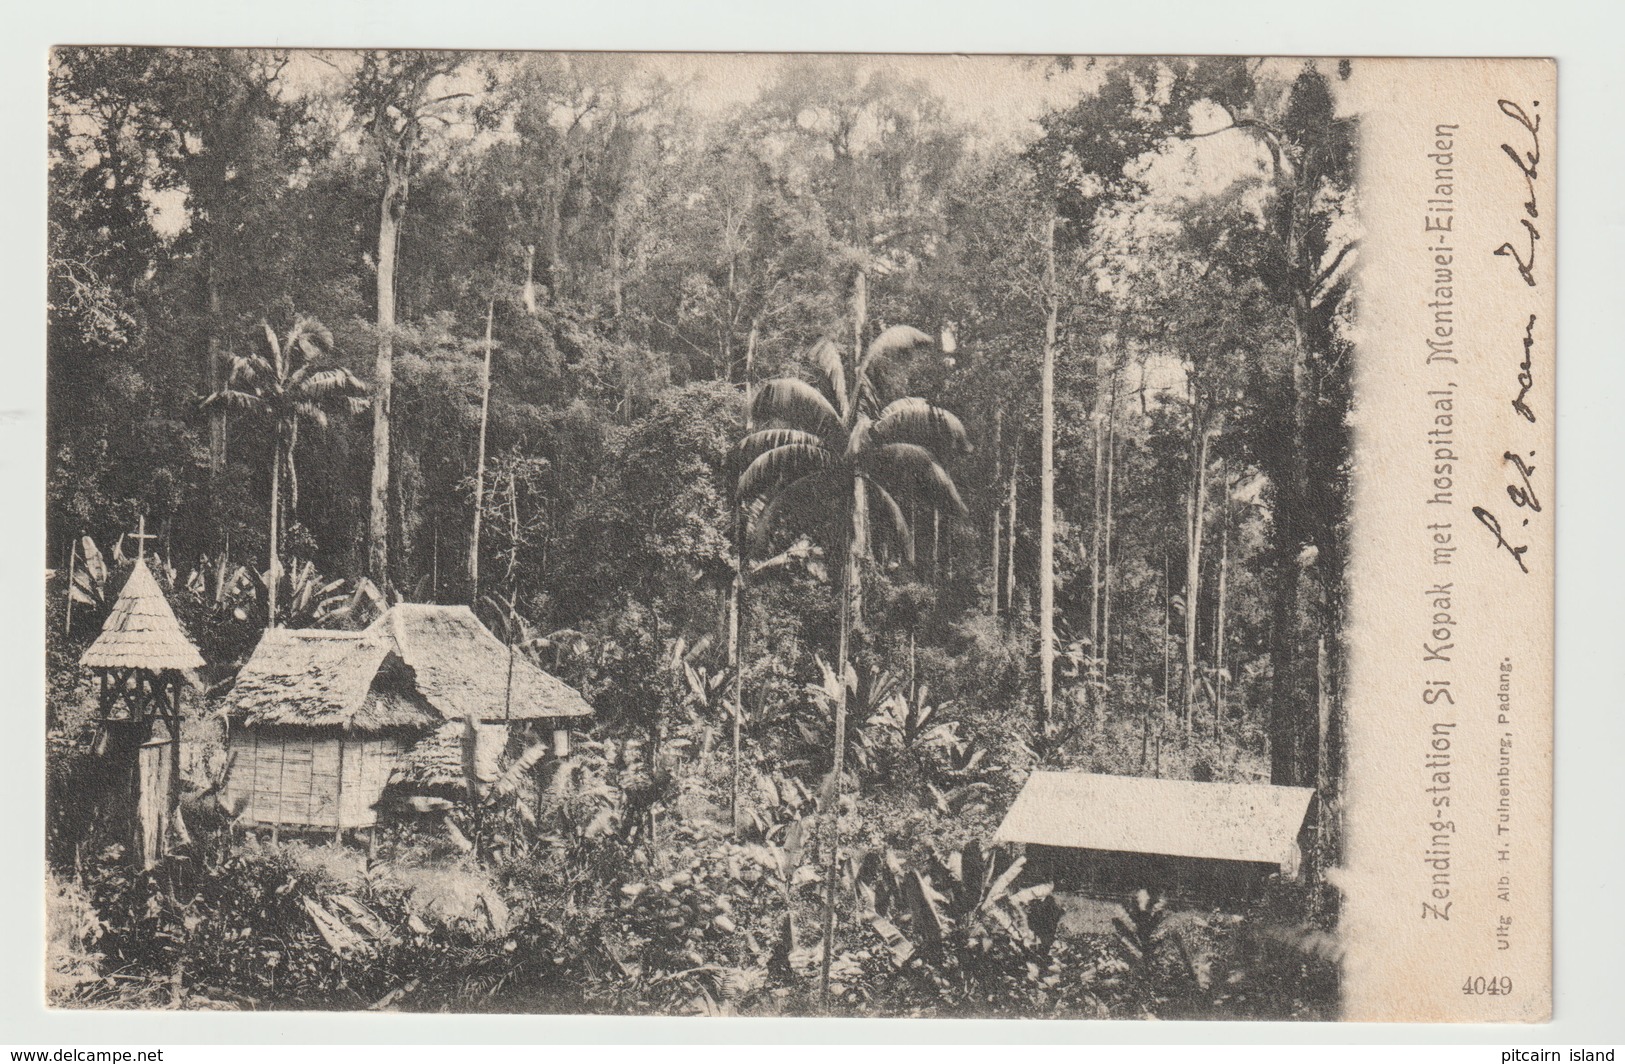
x=140, y=660
x=141, y=535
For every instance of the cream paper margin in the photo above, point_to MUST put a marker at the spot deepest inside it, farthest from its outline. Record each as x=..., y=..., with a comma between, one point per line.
x=1486, y=850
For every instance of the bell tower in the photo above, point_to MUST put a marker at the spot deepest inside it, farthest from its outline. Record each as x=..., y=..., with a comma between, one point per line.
x=140, y=660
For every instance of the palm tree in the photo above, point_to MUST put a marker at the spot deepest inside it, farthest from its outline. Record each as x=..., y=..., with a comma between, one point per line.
x=285, y=387
x=835, y=464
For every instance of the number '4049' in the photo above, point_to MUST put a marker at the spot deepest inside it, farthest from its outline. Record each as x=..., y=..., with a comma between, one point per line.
x=1494, y=985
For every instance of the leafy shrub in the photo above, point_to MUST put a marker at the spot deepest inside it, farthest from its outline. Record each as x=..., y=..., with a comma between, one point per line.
x=73, y=929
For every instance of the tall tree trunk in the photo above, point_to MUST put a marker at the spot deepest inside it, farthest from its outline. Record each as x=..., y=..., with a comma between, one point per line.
x=736, y=667
x=1291, y=721
x=1111, y=499
x=860, y=314
x=513, y=530
x=998, y=518
x=1292, y=724
x=1323, y=714
x=736, y=606
x=67, y=619
x=479, y=464
x=529, y=295
x=1195, y=506
x=217, y=377
x=293, y=473
x=651, y=754
x=391, y=210
x=1167, y=658
x=1010, y=547
x=1046, y=473
x=214, y=374
x=617, y=307
x=1285, y=714
x=832, y=812
x=1219, y=683
x=730, y=320
x=552, y=236
x=274, y=577
x=1097, y=489
x=407, y=497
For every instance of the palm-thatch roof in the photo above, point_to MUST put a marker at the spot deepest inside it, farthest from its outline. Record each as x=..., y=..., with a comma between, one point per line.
x=141, y=631
x=1250, y=822
x=436, y=760
x=325, y=679
x=467, y=672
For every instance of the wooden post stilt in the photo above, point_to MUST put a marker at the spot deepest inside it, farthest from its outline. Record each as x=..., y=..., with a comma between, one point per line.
x=173, y=798
x=338, y=797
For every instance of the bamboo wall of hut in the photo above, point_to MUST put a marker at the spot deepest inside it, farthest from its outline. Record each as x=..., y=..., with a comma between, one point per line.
x=292, y=778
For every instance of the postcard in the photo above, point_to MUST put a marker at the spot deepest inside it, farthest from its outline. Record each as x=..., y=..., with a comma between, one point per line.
x=800, y=535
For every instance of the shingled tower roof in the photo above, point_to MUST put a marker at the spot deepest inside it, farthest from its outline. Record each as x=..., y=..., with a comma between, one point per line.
x=141, y=632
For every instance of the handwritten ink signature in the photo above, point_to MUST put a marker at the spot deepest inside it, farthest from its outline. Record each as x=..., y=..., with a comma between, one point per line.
x=1522, y=495
x=1489, y=521
x=1526, y=373
x=1528, y=163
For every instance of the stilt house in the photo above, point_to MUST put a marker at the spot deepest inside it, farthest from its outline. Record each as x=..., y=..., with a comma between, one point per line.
x=1114, y=835
x=318, y=721
x=323, y=721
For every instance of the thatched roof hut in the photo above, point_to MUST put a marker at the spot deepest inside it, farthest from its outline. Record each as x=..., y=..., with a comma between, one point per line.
x=319, y=722
x=323, y=721
x=319, y=679
x=466, y=671
x=141, y=631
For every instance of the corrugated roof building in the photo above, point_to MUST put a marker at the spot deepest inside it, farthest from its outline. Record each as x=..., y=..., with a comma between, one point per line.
x=1124, y=833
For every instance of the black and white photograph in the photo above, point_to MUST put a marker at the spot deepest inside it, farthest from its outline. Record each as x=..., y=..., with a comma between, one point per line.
x=764, y=535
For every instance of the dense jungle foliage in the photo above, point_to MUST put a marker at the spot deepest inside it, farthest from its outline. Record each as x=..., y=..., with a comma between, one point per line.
x=733, y=411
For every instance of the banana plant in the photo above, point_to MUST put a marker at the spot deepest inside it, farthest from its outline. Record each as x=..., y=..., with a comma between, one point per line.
x=1141, y=927
x=221, y=586
x=863, y=699
x=88, y=583
x=956, y=908
x=502, y=818
x=698, y=683
x=308, y=592
x=912, y=721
